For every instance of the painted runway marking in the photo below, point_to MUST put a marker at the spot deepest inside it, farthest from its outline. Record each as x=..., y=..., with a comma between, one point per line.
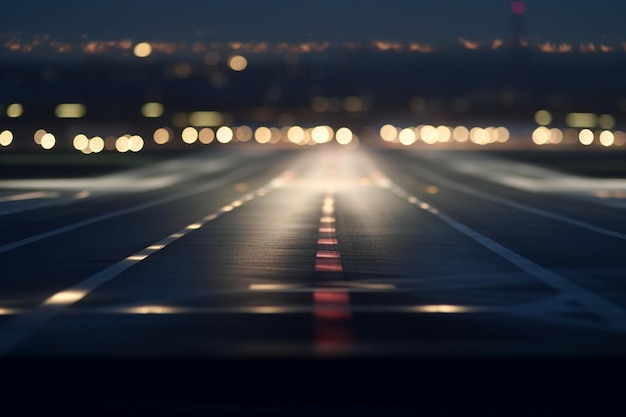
x=327, y=257
x=29, y=196
x=513, y=204
x=183, y=194
x=611, y=313
x=20, y=328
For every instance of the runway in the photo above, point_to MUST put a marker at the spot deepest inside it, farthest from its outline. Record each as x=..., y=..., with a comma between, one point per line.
x=303, y=255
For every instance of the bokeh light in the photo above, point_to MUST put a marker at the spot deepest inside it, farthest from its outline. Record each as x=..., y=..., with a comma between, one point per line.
x=162, y=135
x=543, y=117
x=206, y=135
x=6, y=138
x=586, y=137
x=237, y=63
x=152, y=109
x=15, y=110
x=142, y=50
x=224, y=134
x=343, y=136
x=48, y=141
x=189, y=135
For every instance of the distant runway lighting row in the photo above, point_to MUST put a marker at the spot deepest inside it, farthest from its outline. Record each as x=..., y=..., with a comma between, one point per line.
x=97, y=144
x=262, y=135
x=543, y=135
x=443, y=134
x=578, y=120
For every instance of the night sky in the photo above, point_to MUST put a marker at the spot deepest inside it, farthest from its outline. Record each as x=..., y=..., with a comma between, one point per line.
x=438, y=22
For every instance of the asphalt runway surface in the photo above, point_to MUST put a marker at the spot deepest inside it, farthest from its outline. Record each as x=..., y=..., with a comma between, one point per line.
x=443, y=279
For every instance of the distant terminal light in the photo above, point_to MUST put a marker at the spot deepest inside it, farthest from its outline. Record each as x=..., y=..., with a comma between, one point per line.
x=237, y=63
x=152, y=109
x=543, y=117
x=15, y=110
x=206, y=118
x=518, y=7
x=70, y=111
x=581, y=120
x=142, y=50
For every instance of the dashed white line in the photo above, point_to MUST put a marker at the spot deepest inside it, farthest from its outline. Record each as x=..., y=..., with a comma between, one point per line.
x=611, y=313
x=20, y=328
x=183, y=194
x=513, y=204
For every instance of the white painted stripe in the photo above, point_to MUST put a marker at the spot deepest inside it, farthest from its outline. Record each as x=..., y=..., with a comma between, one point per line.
x=28, y=196
x=20, y=328
x=235, y=175
x=431, y=176
x=303, y=309
x=611, y=313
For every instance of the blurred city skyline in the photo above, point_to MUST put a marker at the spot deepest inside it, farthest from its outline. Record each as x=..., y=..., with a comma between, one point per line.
x=439, y=23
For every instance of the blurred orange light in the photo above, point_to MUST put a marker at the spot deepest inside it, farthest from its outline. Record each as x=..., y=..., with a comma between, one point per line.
x=142, y=50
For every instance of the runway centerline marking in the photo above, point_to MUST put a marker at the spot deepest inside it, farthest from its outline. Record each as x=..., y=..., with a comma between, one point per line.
x=611, y=313
x=20, y=328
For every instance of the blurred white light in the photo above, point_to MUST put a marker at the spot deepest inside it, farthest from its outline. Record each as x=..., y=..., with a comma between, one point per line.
x=135, y=143
x=121, y=144
x=460, y=134
x=96, y=144
x=503, y=134
x=6, y=137
x=479, y=136
x=161, y=136
x=189, y=135
x=295, y=134
x=541, y=135
x=48, y=141
x=320, y=134
x=80, y=142
x=388, y=133
x=343, y=136
x=224, y=134
x=556, y=136
x=407, y=137
x=443, y=133
x=586, y=137
x=262, y=135
x=607, y=138
x=428, y=134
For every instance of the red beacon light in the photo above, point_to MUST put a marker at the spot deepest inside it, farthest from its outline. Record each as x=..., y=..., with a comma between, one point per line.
x=518, y=7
